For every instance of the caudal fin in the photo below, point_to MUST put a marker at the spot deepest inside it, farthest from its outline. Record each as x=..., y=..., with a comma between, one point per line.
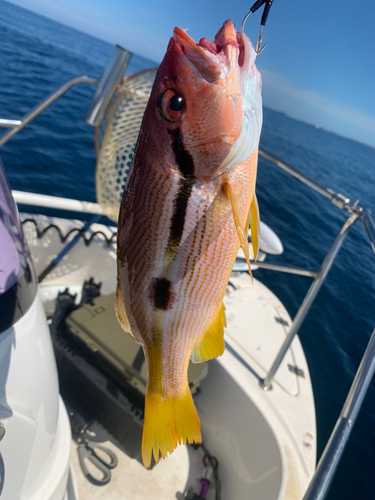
x=168, y=422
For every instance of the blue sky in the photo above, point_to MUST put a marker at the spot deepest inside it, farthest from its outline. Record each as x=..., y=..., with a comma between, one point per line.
x=319, y=65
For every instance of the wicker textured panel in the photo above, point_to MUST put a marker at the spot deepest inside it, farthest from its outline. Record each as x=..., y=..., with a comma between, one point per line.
x=115, y=139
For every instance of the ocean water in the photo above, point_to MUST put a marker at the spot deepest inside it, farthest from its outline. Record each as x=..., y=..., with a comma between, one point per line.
x=37, y=55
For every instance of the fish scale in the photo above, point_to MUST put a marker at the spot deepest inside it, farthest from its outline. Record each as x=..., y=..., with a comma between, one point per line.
x=183, y=217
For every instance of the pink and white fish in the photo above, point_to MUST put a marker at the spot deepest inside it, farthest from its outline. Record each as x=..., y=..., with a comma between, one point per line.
x=184, y=215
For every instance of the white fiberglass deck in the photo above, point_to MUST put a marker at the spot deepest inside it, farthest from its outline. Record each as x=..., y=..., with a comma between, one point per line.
x=265, y=442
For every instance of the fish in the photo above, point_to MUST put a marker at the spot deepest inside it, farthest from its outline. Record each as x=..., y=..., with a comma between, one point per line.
x=184, y=214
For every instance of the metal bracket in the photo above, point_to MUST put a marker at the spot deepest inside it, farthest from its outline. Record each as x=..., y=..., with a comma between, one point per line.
x=265, y=387
x=281, y=321
x=297, y=371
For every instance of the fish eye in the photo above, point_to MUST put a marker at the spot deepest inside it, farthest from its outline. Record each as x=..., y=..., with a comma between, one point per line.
x=171, y=105
x=176, y=103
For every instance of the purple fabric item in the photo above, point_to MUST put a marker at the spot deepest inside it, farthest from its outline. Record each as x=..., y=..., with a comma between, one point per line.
x=13, y=249
x=9, y=260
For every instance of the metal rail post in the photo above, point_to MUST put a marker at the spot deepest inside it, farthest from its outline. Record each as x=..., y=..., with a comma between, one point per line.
x=107, y=85
x=309, y=299
x=241, y=266
x=9, y=123
x=334, y=449
x=369, y=224
x=2, y=474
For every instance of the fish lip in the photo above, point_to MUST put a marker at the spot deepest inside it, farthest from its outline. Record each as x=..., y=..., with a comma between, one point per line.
x=232, y=49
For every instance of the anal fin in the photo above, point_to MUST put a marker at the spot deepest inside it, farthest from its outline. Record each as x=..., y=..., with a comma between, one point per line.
x=121, y=313
x=211, y=343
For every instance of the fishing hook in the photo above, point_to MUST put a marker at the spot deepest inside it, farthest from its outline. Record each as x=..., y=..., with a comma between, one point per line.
x=254, y=8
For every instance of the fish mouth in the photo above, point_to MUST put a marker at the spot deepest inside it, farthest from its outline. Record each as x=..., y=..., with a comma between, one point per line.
x=215, y=60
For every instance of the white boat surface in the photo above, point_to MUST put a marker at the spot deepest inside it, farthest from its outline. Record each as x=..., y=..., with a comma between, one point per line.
x=256, y=403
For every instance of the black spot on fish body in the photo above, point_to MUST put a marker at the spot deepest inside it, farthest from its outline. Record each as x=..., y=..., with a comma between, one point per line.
x=162, y=293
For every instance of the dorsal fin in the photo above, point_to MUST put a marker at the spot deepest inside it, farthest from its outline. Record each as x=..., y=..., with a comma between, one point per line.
x=236, y=210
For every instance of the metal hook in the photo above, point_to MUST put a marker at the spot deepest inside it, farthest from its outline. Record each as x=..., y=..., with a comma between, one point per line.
x=244, y=21
x=259, y=50
x=255, y=7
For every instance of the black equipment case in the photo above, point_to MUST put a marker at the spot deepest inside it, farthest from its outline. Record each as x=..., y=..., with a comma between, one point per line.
x=102, y=370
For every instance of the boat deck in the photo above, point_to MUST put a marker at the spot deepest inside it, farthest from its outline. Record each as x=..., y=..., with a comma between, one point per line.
x=265, y=442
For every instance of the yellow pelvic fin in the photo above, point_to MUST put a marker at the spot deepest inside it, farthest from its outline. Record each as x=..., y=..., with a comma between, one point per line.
x=211, y=343
x=236, y=210
x=255, y=225
x=120, y=311
x=168, y=422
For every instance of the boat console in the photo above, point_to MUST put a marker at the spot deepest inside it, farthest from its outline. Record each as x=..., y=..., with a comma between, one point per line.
x=35, y=432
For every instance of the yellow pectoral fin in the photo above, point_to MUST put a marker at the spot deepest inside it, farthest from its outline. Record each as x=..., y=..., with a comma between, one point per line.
x=120, y=312
x=168, y=421
x=211, y=344
x=235, y=204
x=255, y=225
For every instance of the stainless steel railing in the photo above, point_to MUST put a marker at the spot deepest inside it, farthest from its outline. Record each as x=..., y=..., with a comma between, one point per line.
x=2, y=474
x=9, y=123
x=309, y=299
x=368, y=222
x=328, y=463
x=43, y=105
x=241, y=266
x=2, y=467
x=337, y=199
x=334, y=449
x=106, y=87
x=354, y=212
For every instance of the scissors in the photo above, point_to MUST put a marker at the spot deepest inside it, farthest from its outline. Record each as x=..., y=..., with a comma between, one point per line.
x=257, y=5
x=87, y=450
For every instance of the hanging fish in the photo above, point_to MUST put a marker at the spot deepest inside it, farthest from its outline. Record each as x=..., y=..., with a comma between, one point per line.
x=184, y=214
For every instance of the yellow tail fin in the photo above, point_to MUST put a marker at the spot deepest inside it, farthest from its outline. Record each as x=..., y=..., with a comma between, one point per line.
x=168, y=422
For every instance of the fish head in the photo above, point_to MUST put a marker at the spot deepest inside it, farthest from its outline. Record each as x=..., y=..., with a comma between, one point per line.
x=206, y=102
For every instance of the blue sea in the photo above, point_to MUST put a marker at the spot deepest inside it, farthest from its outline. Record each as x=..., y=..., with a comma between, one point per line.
x=37, y=55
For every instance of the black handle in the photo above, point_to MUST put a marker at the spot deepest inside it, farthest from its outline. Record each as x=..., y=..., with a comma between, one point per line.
x=266, y=12
x=258, y=4
x=85, y=454
x=92, y=446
